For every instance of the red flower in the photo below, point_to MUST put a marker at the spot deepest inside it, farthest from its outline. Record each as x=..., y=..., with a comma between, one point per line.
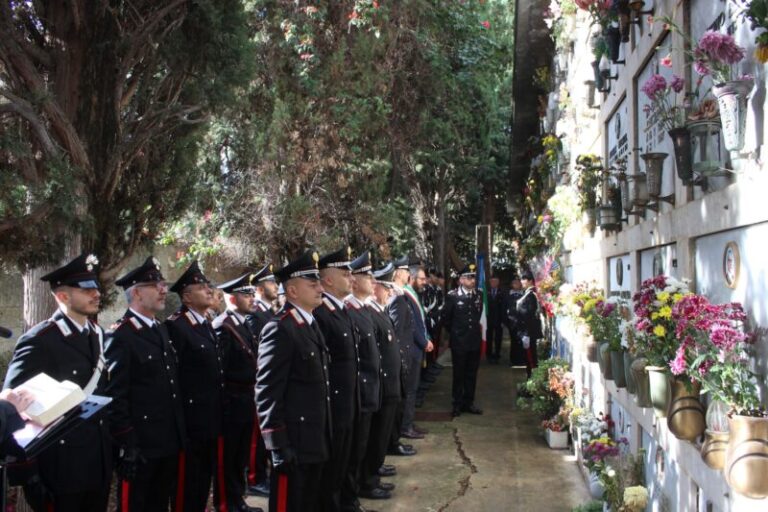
x=486, y=24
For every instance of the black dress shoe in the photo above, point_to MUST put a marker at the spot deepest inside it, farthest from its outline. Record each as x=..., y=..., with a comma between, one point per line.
x=402, y=451
x=420, y=430
x=456, y=412
x=411, y=434
x=387, y=470
x=472, y=409
x=386, y=486
x=375, y=494
x=260, y=489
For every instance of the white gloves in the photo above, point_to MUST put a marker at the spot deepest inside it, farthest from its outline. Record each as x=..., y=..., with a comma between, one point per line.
x=526, y=342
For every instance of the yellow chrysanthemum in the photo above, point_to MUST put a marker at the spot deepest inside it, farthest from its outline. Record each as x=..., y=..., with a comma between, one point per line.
x=665, y=312
x=589, y=305
x=654, y=316
x=659, y=331
x=663, y=296
x=677, y=297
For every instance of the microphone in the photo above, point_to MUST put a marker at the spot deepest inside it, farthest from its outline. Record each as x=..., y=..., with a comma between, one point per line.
x=5, y=332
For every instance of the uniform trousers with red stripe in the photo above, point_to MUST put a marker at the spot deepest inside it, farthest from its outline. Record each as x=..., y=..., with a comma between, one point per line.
x=258, y=458
x=153, y=487
x=237, y=444
x=382, y=424
x=199, y=470
x=296, y=491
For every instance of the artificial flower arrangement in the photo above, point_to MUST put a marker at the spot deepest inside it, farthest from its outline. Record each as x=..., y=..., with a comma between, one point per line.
x=604, y=317
x=549, y=387
x=601, y=11
x=757, y=14
x=573, y=298
x=589, y=169
x=635, y=499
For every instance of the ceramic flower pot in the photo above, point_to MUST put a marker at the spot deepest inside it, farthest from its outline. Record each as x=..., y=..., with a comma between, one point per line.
x=714, y=448
x=681, y=141
x=686, y=415
x=613, y=39
x=628, y=377
x=557, y=440
x=591, y=348
x=596, y=489
x=732, y=99
x=642, y=382
x=605, y=362
x=617, y=368
x=660, y=389
x=746, y=459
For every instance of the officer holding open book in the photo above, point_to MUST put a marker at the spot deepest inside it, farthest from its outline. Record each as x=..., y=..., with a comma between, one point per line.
x=74, y=474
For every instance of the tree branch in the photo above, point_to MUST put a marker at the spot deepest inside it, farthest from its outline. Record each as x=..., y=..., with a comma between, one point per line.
x=23, y=108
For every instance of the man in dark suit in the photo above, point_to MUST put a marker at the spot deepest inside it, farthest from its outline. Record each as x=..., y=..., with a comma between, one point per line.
x=341, y=338
x=263, y=311
x=239, y=352
x=292, y=393
x=146, y=413
x=383, y=421
x=517, y=355
x=368, y=379
x=461, y=317
x=75, y=473
x=528, y=313
x=202, y=381
x=497, y=306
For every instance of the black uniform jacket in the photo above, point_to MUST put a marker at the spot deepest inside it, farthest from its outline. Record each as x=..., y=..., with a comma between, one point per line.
x=200, y=373
x=528, y=314
x=513, y=318
x=82, y=459
x=341, y=340
x=239, y=353
x=497, y=307
x=292, y=397
x=259, y=318
x=146, y=409
x=401, y=313
x=461, y=318
x=391, y=355
x=369, y=376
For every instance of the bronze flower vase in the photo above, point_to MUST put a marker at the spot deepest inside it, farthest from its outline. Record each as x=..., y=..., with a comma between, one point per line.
x=746, y=459
x=714, y=448
x=628, y=377
x=642, y=382
x=732, y=98
x=686, y=414
x=681, y=141
x=617, y=368
x=605, y=361
x=591, y=350
x=660, y=392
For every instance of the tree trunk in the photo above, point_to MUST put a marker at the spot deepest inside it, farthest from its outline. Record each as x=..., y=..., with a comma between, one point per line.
x=38, y=301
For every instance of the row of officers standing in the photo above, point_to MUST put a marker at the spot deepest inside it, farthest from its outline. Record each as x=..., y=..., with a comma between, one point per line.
x=320, y=390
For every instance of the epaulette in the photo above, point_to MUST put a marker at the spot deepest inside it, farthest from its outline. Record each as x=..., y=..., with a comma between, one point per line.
x=297, y=316
x=329, y=304
x=63, y=327
x=351, y=304
x=191, y=317
x=233, y=317
x=135, y=323
x=453, y=293
x=174, y=316
x=261, y=307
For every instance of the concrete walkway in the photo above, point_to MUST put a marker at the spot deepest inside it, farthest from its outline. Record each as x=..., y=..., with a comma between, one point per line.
x=495, y=462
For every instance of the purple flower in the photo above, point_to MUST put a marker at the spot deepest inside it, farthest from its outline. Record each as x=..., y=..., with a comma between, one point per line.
x=677, y=84
x=677, y=365
x=720, y=47
x=654, y=86
x=701, y=67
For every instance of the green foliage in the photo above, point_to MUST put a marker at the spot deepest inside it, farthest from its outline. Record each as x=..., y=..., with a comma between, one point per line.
x=544, y=400
x=592, y=506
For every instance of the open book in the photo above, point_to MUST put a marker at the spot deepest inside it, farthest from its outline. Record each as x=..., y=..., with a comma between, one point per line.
x=53, y=399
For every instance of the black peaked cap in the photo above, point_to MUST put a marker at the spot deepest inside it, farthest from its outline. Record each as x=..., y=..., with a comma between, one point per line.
x=147, y=272
x=304, y=266
x=240, y=284
x=78, y=273
x=362, y=264
x=339, y=259
x=193, y=275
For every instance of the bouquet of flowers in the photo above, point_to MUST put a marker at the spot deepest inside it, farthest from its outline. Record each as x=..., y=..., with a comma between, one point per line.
x=715, y=54
x=757, y=14
x=592, y=427
x=548, y=386
x=560, y=422
x=635, y=499
x=714, y=350
x=573, y=298
x=598, y=450
x=604, y=319
x=663, y=96
x=589, y=168
x=601, y=11
x=654, y=324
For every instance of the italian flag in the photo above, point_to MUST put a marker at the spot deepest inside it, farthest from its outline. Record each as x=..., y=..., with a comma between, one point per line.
x=482, y=285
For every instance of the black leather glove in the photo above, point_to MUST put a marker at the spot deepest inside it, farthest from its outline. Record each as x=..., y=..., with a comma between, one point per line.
x=128, y=460
x=37, y=493
x=283, y=459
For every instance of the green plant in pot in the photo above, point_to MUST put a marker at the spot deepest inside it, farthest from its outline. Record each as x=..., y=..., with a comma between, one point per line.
x=545, y=398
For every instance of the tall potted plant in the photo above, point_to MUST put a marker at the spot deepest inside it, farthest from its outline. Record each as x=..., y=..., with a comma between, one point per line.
x=588, y=169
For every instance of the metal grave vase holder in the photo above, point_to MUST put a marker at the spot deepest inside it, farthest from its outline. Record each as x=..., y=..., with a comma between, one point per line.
x=681, y=141
x=707, y=151
x=732, y=98
x=654, y=169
